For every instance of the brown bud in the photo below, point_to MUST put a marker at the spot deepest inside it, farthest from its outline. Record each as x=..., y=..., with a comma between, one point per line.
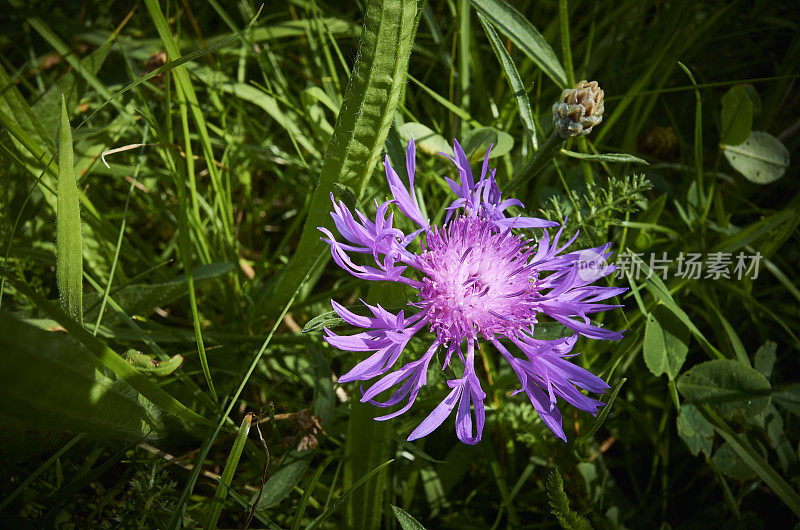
x=578, y=109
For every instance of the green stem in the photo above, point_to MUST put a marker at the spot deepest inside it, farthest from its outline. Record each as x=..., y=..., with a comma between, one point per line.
x=545, y=154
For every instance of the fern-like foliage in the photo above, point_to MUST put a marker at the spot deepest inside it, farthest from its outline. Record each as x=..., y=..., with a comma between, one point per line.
x=559, y=504
x=595, y=210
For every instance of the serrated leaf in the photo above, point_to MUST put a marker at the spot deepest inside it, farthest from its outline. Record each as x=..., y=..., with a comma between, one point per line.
x=559, y=504
x=666, y=342
x=332, y=320
x=761, y=158
x=695, y=431
x=48, y=379
x=407, y=522
x=479, y=140
x=512, y=24
x=426, y=140
x=733, y=389
x=69, y=258
x=736, y=116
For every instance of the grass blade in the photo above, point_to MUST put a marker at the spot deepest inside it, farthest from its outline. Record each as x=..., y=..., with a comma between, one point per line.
x=511, y=23
x=512, y=74
x=227, y=473
x=69, y=263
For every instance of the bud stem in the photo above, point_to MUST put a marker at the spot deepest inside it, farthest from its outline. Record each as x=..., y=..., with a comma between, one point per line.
x=545, y=154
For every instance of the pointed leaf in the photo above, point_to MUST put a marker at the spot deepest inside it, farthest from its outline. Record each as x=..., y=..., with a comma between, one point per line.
x=69, y=262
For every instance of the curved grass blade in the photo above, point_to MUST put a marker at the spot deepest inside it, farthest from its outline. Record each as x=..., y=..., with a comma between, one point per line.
x=362, y=125
x=512, y=74
x=511, y=23
x=598, y=422
x=407, y=522
x=69, y=260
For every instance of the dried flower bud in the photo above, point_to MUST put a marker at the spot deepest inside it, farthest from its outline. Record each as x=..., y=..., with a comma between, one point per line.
x=578, y=109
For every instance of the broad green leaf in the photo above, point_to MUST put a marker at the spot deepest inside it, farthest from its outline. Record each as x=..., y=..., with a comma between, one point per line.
x=694, y=430
x=765, y=358
x=736, y=116
x=104, y=357
x=227, y=474
x=478, y=141
x=761, y=158
x=620, y=158
x=511, y=23
x=514, y=79
x=730, y=463
x=48, y=379
x=284, y=477
x=666, y=342
x=426, y=140
x=367, y=111
x=142, y=299
x=756, y=462
x=69, y=259
x=407, y=522
x=733, y=389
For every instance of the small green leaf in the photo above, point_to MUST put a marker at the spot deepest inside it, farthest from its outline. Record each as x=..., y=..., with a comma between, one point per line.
x=426, y=140
x=730, y=387
x=761, y=158
x=666, y=342
x=736, y=116
x=730, y=463
x=620, y=158
x=69, y=262
x=407, y=522
x=511, y=23
x=765, y=358
x=478, y=141
x=694, y=430
x=332, y=320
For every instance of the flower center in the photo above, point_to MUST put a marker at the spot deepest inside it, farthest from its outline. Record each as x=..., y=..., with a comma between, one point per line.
x=477, y=280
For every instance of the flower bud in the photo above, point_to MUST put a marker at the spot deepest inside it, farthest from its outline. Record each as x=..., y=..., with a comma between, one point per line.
x=578, y=109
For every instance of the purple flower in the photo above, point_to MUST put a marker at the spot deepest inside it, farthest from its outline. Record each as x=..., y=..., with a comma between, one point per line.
x=474, y=278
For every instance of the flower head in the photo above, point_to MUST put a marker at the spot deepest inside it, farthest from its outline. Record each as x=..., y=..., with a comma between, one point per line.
x=475, y=279
x=578, y=109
